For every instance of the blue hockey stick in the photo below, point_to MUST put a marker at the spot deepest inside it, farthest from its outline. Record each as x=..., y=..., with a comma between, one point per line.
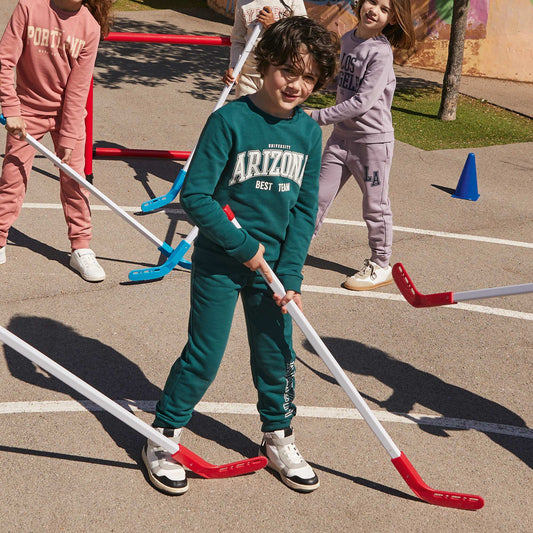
x=161, y=201
x=175, y=258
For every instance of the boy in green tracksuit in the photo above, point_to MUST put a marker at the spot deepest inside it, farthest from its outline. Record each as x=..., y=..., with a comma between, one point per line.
x=261, y=155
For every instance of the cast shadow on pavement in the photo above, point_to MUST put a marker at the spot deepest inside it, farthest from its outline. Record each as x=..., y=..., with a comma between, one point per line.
x=326, y=264
x=412, y=386
x=155, y=64
x=20, y=239
x=113, y=375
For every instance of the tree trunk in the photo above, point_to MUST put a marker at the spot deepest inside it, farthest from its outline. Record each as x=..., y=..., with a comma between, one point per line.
x=452, y=76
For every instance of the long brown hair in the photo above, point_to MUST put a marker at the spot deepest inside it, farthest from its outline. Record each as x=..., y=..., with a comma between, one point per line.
x=101, y=11
x=401, y=34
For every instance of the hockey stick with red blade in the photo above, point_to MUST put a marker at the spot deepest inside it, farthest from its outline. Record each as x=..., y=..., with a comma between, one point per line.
x=417, y=299
x=178, y=451
x=399, y=460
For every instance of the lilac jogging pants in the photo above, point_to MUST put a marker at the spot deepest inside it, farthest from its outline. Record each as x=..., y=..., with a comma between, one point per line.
x=370, y=165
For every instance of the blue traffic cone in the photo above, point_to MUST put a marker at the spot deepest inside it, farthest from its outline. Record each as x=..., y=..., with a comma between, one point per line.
x=467, y=186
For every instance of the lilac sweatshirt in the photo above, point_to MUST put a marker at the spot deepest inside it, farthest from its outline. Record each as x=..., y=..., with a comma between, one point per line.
x=366, y=83
x=53, y=52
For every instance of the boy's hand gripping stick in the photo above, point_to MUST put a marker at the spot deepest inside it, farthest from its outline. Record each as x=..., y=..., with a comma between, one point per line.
x=161, y=246
x=399, y=460
x=179, y=452
x=161, y=201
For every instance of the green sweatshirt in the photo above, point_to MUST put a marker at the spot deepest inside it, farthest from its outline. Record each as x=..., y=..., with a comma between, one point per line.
x=267, y=170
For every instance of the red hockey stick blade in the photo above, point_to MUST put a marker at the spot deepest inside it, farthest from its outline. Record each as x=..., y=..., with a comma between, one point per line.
x=413, y=296
x=210, y=471
x=456, y=500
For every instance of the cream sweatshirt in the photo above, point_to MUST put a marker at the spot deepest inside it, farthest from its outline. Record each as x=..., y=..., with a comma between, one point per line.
x=53, y=53
x=246, y=12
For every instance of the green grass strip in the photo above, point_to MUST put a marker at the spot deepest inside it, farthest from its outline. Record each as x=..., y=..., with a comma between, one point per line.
x=478, y=123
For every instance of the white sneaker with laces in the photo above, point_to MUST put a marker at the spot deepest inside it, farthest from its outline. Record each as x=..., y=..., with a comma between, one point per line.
x=85, y=263
x=283, y=457
x=369, y=277
x=164, y=472
x=2, y=255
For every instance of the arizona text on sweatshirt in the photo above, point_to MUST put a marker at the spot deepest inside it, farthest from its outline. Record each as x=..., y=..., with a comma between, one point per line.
x=266, y=169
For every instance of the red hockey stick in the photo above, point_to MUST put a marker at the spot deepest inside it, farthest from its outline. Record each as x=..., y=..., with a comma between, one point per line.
x=417, y=299
x=179, y=452
x=399, y=460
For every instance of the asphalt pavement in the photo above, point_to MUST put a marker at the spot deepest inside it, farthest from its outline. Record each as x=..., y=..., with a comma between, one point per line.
x=451, y=385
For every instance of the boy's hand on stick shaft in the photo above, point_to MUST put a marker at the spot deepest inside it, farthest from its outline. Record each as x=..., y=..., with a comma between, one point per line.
x=296, y=297
x=257, y=262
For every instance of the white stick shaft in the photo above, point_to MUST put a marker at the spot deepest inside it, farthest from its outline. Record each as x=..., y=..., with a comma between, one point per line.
x=191, y=237
x=334, y=367
x=493, y=292
x=84, y=388
x=236, y=71
x=100, y=195
x=322, y=350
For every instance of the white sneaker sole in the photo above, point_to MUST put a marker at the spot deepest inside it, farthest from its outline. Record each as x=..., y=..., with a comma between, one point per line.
x=173, y=491
x=92, y=279
x=347, y=285
x=291, y=484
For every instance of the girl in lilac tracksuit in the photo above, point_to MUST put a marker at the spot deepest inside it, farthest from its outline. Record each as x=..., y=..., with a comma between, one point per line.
x=362, y=141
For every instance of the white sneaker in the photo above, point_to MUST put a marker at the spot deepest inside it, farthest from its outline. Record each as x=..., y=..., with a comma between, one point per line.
x=2, y=255
x=369, y=277
x=84, y=261
x=283, y=457
x=164, y=472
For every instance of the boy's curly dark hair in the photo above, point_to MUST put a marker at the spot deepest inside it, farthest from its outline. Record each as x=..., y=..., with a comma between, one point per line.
x=287, y=38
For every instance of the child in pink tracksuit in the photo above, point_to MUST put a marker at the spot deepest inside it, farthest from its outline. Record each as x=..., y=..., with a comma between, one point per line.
x=52, y=45
x=363, y=136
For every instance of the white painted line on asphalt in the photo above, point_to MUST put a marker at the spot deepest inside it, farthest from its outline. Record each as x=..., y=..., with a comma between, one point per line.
x=398, y=298
x=436, y=233
x=98, y=207
x=363, y=294
x=339, y=413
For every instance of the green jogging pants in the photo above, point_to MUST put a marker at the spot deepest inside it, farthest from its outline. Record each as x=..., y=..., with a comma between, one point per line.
x=216, y=282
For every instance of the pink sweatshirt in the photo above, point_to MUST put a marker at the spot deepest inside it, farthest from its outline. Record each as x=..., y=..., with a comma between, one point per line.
x=53, y=52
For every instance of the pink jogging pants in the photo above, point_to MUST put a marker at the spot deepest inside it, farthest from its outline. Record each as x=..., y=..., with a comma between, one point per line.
x=14, y=182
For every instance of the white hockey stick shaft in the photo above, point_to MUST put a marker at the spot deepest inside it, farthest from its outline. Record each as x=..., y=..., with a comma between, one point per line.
x=322, y=350
x=86, y=390
x=236, y=71
x=82, y=181
x=165, y=199
x=493, y=292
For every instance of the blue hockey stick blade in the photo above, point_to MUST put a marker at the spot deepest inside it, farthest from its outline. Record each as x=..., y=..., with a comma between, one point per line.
x=175, y=258
x=161, y=201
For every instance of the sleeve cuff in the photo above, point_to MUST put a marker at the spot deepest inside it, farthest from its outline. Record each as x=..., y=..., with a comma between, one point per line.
x=246, y=250
x=291, y=282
